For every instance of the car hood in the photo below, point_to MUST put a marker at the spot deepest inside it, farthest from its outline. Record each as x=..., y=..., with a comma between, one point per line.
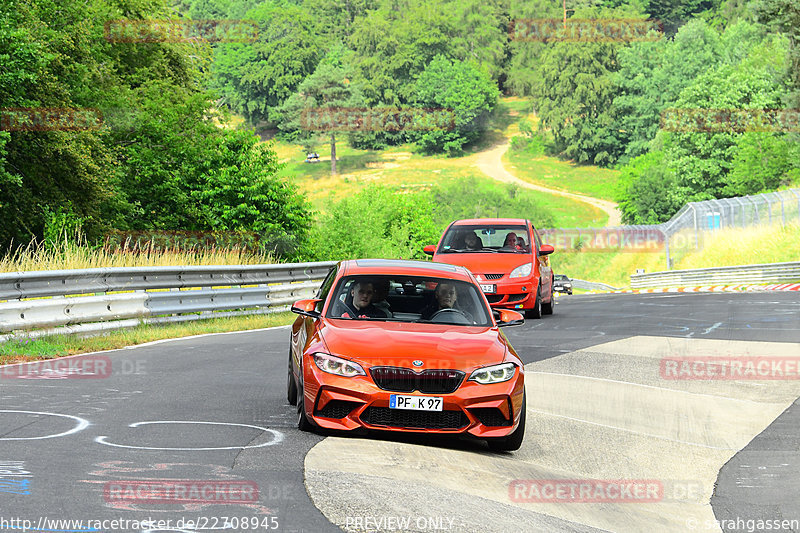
x=400, y=343
x=485, y=263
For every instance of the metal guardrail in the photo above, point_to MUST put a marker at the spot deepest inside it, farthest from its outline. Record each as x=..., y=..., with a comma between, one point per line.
x=751, y=274
x=591, y=285
x=124, y=297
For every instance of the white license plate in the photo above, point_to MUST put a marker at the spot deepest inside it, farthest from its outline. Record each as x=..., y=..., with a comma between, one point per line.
x=489, y=288
x=415, y=403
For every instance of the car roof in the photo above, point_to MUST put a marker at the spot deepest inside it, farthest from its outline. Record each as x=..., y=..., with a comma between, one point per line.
x=403, y=267
x=479, y=221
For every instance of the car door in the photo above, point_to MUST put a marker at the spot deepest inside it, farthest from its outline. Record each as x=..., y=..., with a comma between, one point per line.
x=545, y=271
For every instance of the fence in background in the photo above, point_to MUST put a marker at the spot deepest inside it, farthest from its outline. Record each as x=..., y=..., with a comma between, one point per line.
x=90, y=300
x=749, y=274
x=688, y=227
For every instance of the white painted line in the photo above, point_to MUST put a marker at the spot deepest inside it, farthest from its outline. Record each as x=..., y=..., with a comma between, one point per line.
x=665, y=389
x=712, y=328
x=151, y=343
x=82, y=424
x=631, y=431
x=277, y=436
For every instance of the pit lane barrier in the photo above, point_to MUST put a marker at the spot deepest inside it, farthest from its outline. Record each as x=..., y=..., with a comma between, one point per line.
x=33, y=304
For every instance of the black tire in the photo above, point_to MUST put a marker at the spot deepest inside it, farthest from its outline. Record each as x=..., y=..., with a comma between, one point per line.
x=536, y=312
x=547, y=308
x=303, y=423
x=291, y=385
x=511, y=442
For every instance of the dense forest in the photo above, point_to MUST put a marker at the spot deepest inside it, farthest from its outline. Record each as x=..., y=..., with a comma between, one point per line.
x=160, y=159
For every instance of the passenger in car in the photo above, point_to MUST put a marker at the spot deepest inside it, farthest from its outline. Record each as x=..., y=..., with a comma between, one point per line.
x=382, y=288
x=521, y=244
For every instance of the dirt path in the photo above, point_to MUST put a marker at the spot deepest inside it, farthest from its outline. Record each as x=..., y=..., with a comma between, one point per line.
x=490, y=163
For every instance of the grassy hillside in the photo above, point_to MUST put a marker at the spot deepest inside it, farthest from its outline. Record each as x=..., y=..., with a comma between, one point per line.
x=729, y=247
x=402, y=168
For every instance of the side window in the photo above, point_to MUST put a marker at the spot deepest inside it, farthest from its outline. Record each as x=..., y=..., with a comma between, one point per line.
x=325, y=288
x=538, y=239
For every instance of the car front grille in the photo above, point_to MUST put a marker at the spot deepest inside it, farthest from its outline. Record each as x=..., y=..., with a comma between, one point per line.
x=490, y=416
x=402, y=418
x=397, y=379
x=493, y=276
x=336, y=409
x=495, y=298
x=516, y=297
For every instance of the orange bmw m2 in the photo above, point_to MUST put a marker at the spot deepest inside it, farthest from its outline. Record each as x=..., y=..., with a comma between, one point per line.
x=406, y=346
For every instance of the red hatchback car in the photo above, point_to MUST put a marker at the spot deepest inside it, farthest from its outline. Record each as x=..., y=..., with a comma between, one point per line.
x=507, y=257
x=407, y=346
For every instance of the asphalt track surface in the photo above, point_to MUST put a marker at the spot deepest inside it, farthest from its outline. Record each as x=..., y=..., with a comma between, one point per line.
x=213, y=409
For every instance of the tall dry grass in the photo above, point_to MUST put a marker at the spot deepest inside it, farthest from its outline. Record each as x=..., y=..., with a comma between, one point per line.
x=73, y=251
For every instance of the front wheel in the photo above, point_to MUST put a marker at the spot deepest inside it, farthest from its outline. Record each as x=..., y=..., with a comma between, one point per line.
x=536, y=312
x=303, y=423
x=547, y=309
x=291, y=385
x=511, y=442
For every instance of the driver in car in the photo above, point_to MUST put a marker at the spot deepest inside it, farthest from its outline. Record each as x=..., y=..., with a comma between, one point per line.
x=359, y=304
x=445, y=296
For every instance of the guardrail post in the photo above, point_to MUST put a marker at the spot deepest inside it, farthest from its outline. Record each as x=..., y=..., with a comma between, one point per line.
x=798, y=202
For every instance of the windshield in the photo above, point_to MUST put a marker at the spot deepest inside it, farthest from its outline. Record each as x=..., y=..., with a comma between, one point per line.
x=486, y=239
x=408, y=299
x=561, y=277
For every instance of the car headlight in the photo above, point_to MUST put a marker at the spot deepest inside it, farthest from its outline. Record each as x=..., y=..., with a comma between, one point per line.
x=521, y=271
x=493, y=374
x=336, y=365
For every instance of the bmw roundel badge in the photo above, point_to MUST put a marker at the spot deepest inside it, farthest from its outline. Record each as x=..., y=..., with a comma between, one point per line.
x=417, y=362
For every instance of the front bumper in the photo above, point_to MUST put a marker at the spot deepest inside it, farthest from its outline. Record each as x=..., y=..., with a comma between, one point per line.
x=339, y=403
x=516, y=294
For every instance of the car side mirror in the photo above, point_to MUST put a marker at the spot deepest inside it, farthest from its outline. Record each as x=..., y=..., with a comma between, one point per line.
x=306, y=308
x=509, y=318
x=546, y=249
x=430, y=249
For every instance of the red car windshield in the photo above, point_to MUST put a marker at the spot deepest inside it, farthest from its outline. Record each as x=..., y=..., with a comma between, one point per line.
x=409, y=299
x=486, y=239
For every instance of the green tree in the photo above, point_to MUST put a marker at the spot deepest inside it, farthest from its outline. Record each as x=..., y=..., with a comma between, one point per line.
x=762, y=162
x=648, y=192
x=255, y=78
x=462, y=89
x=702, y=159
x=320, y=101
x=394, y=44
x=376, y=222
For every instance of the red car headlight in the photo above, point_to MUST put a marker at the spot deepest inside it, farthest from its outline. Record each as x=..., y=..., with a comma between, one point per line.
x=493, y=374
x=337, y=365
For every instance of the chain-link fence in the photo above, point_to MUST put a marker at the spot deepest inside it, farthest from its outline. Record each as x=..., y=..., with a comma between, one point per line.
x=686, y=229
